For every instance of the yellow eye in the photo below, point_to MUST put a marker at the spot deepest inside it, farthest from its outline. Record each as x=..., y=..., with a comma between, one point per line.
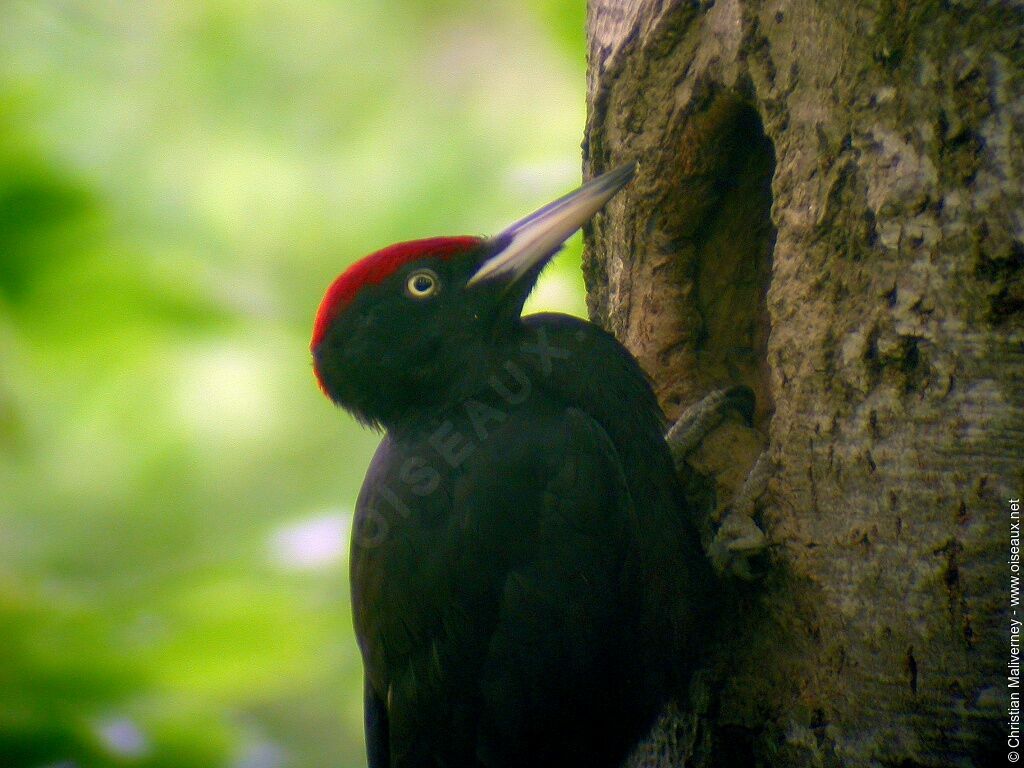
x=421, y=284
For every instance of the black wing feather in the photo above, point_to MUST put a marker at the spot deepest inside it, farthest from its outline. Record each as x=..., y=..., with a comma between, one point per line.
x=375, y=721
x=499, y=618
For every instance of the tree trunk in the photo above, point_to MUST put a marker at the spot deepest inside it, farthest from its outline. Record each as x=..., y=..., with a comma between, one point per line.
x=829, y=209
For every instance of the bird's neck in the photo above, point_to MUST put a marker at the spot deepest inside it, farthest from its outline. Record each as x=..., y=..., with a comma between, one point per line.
x=551, y=358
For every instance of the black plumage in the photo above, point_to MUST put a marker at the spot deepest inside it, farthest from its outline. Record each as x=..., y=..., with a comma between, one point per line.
x=527, y=583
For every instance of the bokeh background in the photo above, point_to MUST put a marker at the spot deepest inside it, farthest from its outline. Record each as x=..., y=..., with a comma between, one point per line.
x=179, y=182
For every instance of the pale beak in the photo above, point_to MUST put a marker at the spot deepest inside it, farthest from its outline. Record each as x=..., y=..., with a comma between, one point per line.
x=533, y=240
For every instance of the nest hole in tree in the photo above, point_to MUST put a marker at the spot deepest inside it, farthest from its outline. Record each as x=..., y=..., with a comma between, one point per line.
x=732, y=244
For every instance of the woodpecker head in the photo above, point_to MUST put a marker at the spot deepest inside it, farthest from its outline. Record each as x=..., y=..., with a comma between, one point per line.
x=399, y=328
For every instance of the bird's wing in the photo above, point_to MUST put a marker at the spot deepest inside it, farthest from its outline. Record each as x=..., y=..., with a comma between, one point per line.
x=493, y=615
x=375, y=722
x=553, y=681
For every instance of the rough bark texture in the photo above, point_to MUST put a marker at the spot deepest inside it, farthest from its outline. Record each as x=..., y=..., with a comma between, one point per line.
x=830, y=208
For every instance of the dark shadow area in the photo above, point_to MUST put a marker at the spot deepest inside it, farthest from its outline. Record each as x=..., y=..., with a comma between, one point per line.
x=733, y=259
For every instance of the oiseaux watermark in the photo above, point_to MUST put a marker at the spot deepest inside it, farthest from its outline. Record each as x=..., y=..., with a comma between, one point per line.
x=1013, y=738
x=418, y=473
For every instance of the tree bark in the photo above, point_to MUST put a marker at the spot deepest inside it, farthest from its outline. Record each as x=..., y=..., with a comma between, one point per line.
x=829, y=208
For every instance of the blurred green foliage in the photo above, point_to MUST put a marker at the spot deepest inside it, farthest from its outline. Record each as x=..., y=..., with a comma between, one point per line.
x=179, y=182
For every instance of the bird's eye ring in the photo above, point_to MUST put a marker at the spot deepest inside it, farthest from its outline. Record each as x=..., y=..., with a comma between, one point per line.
x=421, y=284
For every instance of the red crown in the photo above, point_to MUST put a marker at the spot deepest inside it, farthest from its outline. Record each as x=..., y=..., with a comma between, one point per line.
x=378, y=267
